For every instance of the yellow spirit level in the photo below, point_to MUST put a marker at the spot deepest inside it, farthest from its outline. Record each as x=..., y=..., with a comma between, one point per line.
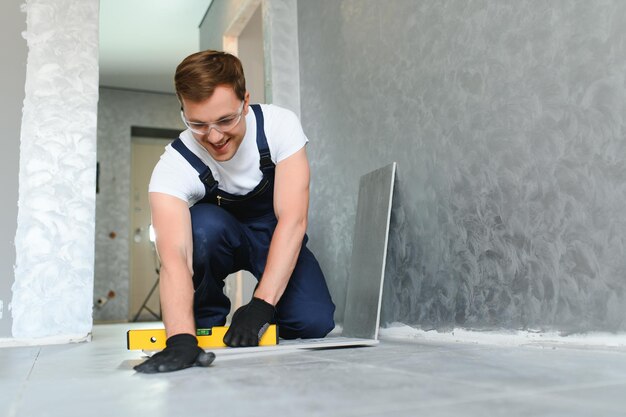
x=154, y=339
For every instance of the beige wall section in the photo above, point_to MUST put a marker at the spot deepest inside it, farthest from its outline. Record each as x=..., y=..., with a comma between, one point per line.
x=282, y=56
x=250, y=51
x=280, y=43
x=145, y=153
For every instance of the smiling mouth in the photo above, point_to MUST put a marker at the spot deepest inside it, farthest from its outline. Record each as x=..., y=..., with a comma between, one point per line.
x=221, y=144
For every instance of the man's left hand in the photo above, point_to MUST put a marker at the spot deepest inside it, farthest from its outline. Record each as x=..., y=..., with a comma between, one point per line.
x=249, y=323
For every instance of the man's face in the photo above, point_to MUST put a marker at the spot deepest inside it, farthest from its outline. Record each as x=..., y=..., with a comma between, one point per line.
x=225, y=131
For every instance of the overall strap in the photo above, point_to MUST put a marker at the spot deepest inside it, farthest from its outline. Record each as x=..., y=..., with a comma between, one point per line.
x=206, y=176
x=266, y=163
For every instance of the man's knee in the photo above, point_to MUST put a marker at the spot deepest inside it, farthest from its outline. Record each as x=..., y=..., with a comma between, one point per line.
x=320, y=326
x=308, y=326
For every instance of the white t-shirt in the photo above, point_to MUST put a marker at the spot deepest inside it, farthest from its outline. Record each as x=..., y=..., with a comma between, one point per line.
x=173, y=175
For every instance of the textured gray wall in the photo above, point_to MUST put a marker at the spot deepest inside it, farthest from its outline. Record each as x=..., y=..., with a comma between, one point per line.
x=507, y=122
x=118, y=111
x=13, y=70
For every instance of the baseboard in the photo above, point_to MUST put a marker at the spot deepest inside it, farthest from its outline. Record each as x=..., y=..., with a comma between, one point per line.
x=48, y=340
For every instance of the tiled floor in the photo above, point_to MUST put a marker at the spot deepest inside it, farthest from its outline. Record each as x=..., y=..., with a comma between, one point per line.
x=396, y=378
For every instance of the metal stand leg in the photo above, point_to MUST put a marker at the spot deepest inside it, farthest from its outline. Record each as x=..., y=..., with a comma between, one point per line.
x=144, y=305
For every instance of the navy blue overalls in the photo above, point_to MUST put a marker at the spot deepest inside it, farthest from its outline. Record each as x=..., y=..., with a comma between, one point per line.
x=232, y=232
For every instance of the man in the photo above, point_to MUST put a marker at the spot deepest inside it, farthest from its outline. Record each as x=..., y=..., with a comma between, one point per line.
x=232, y=193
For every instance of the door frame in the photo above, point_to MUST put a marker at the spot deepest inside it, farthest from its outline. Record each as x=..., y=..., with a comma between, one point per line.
x=150, y=134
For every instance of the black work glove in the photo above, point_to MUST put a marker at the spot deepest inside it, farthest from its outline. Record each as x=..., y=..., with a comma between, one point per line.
x=181, y=352
x=249, y=323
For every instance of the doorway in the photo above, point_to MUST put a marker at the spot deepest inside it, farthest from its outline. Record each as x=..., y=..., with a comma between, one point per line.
x=144, y=301
x=250, y=52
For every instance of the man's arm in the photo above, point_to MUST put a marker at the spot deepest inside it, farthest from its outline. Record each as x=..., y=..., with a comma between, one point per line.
x=291, y=204
x=172, y=225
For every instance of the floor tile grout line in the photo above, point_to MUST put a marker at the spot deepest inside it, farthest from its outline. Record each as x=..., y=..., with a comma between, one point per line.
x=33, y=367
x=18, y=400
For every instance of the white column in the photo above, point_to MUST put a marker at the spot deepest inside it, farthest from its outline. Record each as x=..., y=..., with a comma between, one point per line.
x=52, y=294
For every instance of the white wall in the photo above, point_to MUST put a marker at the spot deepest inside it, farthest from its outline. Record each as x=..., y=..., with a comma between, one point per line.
x=13, y=70
x=56, y=217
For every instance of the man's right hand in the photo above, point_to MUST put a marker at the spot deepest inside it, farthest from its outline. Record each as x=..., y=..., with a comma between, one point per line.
x=181, y=352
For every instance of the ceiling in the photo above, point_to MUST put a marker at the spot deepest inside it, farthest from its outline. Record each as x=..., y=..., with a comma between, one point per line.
x=142, y=41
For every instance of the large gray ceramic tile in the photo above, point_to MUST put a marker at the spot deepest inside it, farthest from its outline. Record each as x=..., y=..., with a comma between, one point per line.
x=518, y=406
x=508, y=368
x=16, y=362
x=321, y=388
x=392, y=379
x=369, y=251
x=295, y=387
x=399, y=350
x=519, y=368
x=15, y=367
x=601, y=395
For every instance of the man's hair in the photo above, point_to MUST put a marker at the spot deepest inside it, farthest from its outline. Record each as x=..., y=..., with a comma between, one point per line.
x=198, y=75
